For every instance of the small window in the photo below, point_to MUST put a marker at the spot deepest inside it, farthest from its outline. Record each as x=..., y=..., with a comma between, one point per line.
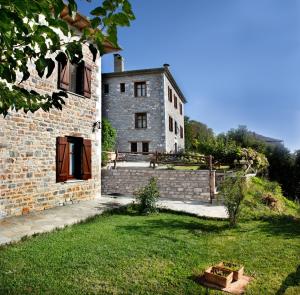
x=122, y=87
x=180, y=108
x=176, y=128
x=140, y=120
x=73, y=158
x=175, y=101
x=170, y=124
x=140, y=89
x=106, y=88
x=145, y=147
x=181, y=132
x=170, y=94
x=134, y=147
x=75, y=78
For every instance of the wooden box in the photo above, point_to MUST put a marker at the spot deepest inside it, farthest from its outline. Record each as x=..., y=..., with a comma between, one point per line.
x=238, y=270
x=211, y=276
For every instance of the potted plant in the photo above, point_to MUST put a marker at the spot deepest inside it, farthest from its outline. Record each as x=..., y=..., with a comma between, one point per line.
x=218, y=276
x=237, y=269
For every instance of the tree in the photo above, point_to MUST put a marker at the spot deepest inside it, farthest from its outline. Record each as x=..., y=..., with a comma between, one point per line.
x=109, y=135
x=281, y=168
x=196, y=132
x=233, y=191
x=32, y=32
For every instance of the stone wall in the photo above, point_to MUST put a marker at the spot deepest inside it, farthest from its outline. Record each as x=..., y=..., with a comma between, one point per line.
x=170, y=110
x=120, y=108
x=28, y=149
x=175, y=184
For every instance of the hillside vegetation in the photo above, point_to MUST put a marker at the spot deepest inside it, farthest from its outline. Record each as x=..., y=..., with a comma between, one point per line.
x=265, y=199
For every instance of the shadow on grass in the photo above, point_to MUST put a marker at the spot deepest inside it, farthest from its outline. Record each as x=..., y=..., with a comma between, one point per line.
x=153, y=226
x=293, y=279
x=286, y=226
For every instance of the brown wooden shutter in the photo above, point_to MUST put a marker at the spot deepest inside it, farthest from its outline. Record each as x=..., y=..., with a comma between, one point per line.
x=86, y=159
x=62, y=159
x=87, y=79
x=64, y=76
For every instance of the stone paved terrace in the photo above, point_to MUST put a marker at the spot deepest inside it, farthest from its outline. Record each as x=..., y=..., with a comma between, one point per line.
x=12, y=229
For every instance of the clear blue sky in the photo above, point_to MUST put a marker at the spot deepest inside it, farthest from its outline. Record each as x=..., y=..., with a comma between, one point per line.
x=237, y=62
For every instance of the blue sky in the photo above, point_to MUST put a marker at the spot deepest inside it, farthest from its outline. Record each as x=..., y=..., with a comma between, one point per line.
x=237, y=62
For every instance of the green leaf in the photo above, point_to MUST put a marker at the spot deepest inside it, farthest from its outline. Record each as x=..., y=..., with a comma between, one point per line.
x=95, y=22
x=41, y=65
x=51, y=66
x=94, y=51
x=72, y=7
x=99, y=11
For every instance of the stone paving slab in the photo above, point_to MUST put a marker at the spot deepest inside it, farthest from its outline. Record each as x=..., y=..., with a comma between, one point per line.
x=12, y=229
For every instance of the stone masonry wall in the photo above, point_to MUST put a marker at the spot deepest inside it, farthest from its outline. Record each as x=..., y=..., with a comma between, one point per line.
x=174, y=184
x=120, y=108
x=28, y=149
x=170, y=110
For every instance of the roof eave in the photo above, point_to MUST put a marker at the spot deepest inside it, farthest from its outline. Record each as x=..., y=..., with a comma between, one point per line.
x=80, y=22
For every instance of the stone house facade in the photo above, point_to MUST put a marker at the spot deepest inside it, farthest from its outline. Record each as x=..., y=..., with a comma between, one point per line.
x=146, y=107
x=53, y=158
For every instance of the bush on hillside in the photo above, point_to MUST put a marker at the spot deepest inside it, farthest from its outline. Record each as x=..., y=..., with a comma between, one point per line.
x=264, y=199
x=233, y=190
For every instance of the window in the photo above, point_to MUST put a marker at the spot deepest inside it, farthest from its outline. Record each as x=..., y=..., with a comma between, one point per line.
x=141, y=120
x=170, y=124
x=140, y=89
x=106, y=88
x=134, y=147
x=176, y=128
x=170, y=94
x=122, y=87
x=180, y=108
x=145, y=147
x=175, y=102
x=75, y=78
x=181, y=132
x=73, y=158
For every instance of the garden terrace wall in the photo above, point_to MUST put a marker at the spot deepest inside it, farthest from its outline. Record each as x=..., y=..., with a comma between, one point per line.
x=174, y=184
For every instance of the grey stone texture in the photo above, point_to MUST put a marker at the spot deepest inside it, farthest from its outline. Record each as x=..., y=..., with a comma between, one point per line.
x=173, y=184
x=28, y=149
x=120, y=108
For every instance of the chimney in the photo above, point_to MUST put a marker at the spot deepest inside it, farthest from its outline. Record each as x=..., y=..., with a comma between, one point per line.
x=118, y=63
x=166, y=66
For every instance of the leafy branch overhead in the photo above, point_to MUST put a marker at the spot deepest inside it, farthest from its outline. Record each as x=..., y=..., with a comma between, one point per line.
x=33, y=34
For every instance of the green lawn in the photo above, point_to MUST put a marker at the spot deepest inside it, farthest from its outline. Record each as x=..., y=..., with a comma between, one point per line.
x=159, y=254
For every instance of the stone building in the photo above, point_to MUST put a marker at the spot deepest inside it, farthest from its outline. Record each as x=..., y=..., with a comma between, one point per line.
x=146, y=107
x=52, y=158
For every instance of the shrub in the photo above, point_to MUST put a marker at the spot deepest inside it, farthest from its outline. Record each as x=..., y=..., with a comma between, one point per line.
x=233, y=190
x=147, y=197
x=265, y=199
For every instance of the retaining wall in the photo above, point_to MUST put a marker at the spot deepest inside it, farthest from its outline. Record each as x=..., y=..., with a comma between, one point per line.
x=174, y=184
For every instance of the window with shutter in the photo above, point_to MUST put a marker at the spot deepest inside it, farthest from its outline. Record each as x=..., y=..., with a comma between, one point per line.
x=75, y=78
x=175, y=101
x=181, y=132
x=64, y=76
x=87, y=81
x=73, y=158
x=86, y=159
x=170, y=124
x=62, y=159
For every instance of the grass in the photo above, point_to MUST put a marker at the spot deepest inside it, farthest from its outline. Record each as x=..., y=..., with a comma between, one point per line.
x=123, y=253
